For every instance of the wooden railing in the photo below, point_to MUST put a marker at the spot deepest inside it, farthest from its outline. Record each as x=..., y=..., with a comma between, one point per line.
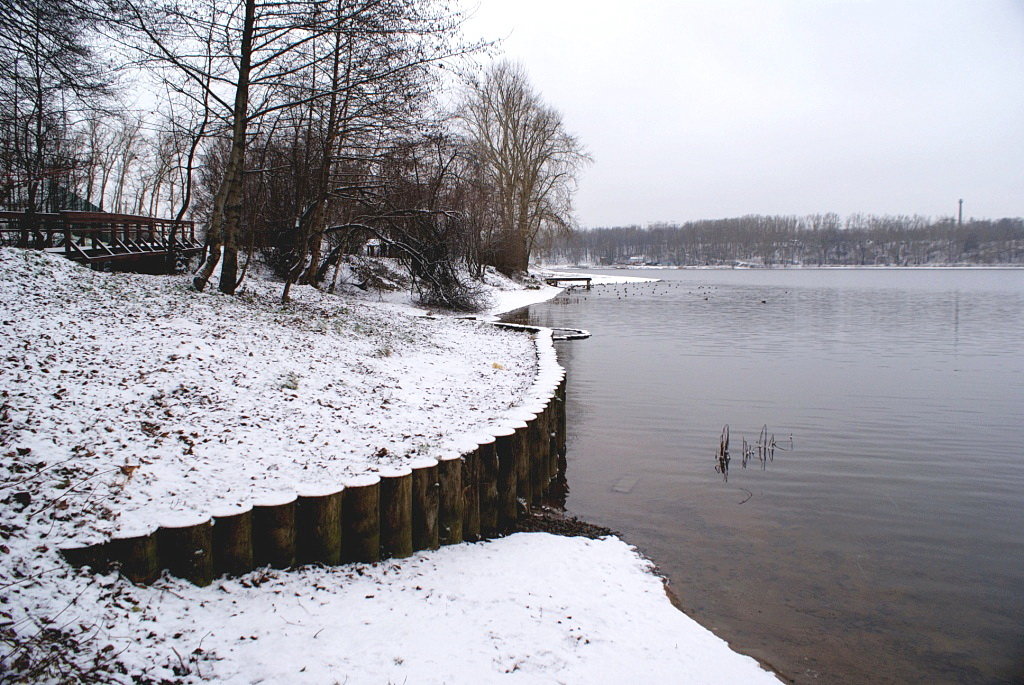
x=97, y=237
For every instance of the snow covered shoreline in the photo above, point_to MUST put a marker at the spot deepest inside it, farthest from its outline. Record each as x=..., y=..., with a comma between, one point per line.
x=132, y=373
x=86, y=444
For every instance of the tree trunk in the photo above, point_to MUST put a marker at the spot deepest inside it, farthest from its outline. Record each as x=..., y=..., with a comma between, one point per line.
x=227, y=211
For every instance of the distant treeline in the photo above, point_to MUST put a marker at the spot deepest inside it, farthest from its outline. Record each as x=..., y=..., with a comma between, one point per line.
x=819, y=239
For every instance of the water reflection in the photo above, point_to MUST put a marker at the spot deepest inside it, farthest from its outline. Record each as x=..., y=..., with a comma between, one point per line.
x=883, y=550
x=558, y=489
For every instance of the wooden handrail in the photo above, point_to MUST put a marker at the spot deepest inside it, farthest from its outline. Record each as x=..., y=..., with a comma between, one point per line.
x=103, y=231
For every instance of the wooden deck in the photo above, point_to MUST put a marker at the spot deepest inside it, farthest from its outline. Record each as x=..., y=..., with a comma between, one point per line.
x=99, y=238
x=558, y=280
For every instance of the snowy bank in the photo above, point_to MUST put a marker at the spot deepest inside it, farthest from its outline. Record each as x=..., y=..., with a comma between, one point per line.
x=126, y=400
x=507, y=296
x=531, y=608
x=182, y=402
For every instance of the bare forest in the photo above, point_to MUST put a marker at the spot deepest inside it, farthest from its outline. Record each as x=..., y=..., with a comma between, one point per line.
x=816, y=240
x=298, y=132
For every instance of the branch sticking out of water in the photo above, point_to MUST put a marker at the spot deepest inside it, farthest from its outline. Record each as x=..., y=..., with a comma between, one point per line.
x=723, y=454
x=763, y=449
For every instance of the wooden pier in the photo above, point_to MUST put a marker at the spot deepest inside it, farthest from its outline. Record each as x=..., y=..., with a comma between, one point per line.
x=558, y=280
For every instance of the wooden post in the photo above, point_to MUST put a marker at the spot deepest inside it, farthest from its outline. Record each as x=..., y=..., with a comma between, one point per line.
x=524, y=480
x=471, y=494
x=538, y=453
x=232, y=542
x=186, y=549
x=489, y=500
x=360, y=519
x=504, y=446
x=318, y=525
x=425, y=504
x=396, y=512
x=541, y=438
x=66, y=225
x=138, y=557
x=555, y=405
x=450, y=500
x=96, y=557
x=560, y=427
x=273, y=531
x=549, y=444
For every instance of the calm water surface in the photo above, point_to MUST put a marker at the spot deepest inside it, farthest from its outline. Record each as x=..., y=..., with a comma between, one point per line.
x=888, y=544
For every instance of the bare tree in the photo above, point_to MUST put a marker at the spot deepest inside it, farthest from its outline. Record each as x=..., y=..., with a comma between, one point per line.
x=526, y=156
x=247, y=59
x=822, y=239
x=367, y=84
x=50, y=78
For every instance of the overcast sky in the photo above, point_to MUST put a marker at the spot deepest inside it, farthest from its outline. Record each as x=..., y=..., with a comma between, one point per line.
x=720, y=108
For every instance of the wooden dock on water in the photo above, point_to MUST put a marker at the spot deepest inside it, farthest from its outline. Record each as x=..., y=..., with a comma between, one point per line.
x=558, y=280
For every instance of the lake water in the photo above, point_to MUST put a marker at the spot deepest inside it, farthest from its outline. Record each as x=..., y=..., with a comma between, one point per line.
x=887, y=543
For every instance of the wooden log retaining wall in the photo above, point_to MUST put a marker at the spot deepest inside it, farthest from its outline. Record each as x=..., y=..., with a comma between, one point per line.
x=477, y=494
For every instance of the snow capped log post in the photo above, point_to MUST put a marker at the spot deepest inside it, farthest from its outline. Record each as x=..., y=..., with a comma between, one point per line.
x=550, y=448
x=560, y=427
x=396, y=512
x=96, y=557
x=232, y=542
x=487, y=462
x=552, y=428
x=544, y=442
x=524, y=484
x=471, y=494
x=450, y=500
x=137, y=556
x=425, y=504
x=505, y=447
x=360, y=519
x=318, y=525
x=186, y=548
x=538, y=453
x=273, y=531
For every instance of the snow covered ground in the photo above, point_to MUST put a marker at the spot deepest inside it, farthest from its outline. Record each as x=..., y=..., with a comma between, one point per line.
x=126, y=400
x=509, y=300
x=506, y=298
x=212, y=401
x=529, y=608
